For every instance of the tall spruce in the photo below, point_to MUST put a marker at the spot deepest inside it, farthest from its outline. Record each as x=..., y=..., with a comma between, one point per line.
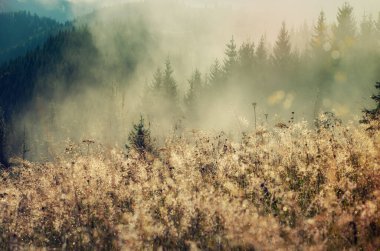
x=246, y=57
x=320, y=40
x=215, y=75
x=345, y=29
x=231, y=58
x=195, y=85
x=368, y=34
x=168, y=83
x=261, y=52
x=282, y=48
x=322, y=62
x=157, y=80
x=373, y=115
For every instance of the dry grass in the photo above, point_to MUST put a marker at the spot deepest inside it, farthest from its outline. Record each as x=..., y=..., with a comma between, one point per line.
x=286, y=188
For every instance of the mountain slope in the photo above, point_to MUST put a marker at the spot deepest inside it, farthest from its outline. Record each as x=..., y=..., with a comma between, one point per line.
x=22, y=31
x=58, y=10
x=20, y=78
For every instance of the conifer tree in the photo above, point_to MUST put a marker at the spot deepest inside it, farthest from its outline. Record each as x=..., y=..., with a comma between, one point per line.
x=282, y=49
x=368, y=33
x=377, y=27
x=320, y=37
x=246, y=57
x=215, y=75
x=231, y=58
x=367, y=26
x=139, y=138
x=321, y=51
x=345, y=29
x=157, y=80
x=194, y=92
x=168, y=83
x=373, y=115
x=261, y=52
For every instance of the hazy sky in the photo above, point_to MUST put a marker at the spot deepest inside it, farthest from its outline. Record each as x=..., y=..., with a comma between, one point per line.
x=289, y=9
x=285, y=9
x=264, y=16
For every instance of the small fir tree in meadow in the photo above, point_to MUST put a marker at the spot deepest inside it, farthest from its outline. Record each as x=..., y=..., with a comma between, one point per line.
x=139, y=138
x=373, y=115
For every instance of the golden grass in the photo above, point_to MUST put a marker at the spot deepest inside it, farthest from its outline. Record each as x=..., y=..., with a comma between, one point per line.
x=280, y=189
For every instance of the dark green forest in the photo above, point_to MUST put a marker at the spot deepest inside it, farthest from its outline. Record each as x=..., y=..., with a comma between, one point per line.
x=41, y=8
x=22, y=31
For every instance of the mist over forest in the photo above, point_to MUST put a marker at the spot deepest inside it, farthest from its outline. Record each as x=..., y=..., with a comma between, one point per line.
x=188, y=67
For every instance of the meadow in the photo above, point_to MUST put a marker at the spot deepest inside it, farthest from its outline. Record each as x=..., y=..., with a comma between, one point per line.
x=290, y=187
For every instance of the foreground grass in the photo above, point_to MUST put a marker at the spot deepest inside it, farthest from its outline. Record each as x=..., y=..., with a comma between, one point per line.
x=292, y=188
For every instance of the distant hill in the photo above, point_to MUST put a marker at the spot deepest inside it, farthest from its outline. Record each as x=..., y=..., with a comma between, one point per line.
x=68, y=61
x=20, y=78
x=57, y=10
x=22, y=31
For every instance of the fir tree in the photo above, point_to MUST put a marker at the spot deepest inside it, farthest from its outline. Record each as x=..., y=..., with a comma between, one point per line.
x=320, y=37
x=377, y=27
x=261, y=52
x=373, y=115
x=168, y=83
x=282, y=49
x=215, y=75
x=246, y=57
x=195, y=83
x=157, y=80
x=367, y=33
x=139, y=138
x=231, y=58
x=345, y=30
x=367, y=27
x=322, y=61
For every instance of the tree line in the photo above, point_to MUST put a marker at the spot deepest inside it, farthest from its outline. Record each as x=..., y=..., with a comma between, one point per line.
x=340, y=60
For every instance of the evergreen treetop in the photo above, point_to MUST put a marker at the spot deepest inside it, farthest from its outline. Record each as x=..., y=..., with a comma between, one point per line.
x=345, y=29
x=320, y=36
x=247, y=56
x=231, y=57
x=195, y=83
x=282, y=48
x=261, y=51
x=373, y=115
x=169, y=84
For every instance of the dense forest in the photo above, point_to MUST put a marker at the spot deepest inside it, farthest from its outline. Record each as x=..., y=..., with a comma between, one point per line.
x=142, y=127
x=21, y=32
x=41, y=8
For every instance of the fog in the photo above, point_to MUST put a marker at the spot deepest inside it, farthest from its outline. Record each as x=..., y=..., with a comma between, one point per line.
x=192, y=35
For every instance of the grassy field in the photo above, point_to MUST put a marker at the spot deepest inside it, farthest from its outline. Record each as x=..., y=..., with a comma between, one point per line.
x=290, y=188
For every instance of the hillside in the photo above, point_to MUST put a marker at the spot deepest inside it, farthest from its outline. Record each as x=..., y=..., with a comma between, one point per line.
x=57, y=10
x=21, y=32
x=20, y=77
